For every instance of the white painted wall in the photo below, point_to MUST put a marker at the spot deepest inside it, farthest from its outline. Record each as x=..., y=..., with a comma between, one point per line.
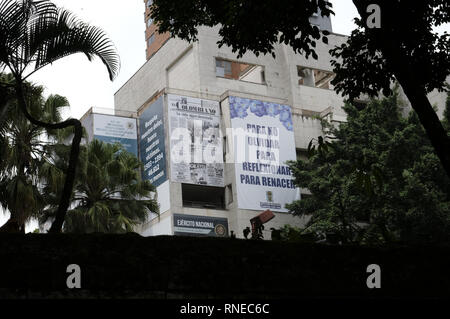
x=183, y=73
x=150, y=78
x=161, y=226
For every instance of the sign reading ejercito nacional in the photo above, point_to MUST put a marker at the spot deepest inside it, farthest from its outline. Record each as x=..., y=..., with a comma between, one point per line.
x=190, y=225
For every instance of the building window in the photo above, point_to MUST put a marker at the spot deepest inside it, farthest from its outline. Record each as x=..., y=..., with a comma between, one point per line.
x=149, y=22
x=149, y=3
x=224, y=149
x=151, y=39
x=240, y=71
x=223, y=68
x=198, y=196
x=229, y=194
x=315, y=78
x=301, y=154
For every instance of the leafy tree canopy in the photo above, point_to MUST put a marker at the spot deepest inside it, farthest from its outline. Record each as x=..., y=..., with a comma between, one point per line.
x=245, y=24
x=404, y=45
x=109, y=194
x=34, y=34
x=412, y=203
x=25, y=148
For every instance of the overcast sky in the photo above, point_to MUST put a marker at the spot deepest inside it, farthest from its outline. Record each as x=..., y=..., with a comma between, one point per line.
x=86, y=84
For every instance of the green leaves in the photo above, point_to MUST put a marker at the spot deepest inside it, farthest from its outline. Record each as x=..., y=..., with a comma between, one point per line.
x=34, y=34
x=245, y=25
x=109, y=195
x=25, y=156
x=369, y=181
x=318, y=146
x=367, y=63
x=379, y=181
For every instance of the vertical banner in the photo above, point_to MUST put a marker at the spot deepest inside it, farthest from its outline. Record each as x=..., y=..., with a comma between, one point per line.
x=195, y=141
x=263, y=139
x=115, y=129
x=152, y=144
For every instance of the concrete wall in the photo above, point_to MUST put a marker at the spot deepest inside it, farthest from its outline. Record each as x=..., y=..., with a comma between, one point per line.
x=183, y=73
x=129, y=266
x=150, y=78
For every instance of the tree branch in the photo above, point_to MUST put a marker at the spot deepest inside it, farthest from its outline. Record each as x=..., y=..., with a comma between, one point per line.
x=73, y=161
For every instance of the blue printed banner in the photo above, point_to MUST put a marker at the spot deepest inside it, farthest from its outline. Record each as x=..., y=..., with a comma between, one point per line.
x=130, y=145
x=152, y=144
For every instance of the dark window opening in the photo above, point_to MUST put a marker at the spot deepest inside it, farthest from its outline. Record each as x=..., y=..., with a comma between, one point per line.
x=315, y=78
x=240, y=71
x=301, y=154
x=151, y=39
x=360, y=104
x=198, y=196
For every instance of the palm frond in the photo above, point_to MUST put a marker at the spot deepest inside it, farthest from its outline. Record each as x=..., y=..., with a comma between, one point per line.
x=34, y=34
x=70, y=36
x=110, y=194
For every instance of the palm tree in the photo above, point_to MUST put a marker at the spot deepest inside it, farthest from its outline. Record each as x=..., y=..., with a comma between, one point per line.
x=34, y=34
x=25, y=147
x=110, y=195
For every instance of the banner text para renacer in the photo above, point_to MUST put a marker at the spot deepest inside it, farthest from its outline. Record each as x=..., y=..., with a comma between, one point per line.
x=263, y=140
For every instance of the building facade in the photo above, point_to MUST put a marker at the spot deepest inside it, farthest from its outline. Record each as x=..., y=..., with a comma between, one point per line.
x=215, y=132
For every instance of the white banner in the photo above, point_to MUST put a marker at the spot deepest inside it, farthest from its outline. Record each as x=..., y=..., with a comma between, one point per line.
x=115, y=126
x=115, y=129
x=263, y=140
x=195, y=141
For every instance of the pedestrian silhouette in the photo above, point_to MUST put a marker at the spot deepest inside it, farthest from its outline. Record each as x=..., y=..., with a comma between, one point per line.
x=246, y=232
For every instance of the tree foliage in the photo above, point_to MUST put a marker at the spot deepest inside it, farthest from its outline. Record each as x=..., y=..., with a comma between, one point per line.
x=34, y=34
x=372, y=58
x=411, y=204
x=25, y=148
x=245, y=24
x=109, y=194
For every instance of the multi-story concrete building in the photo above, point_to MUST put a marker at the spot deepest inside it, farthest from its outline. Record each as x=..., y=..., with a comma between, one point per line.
x=199, y=88
x=153, y=38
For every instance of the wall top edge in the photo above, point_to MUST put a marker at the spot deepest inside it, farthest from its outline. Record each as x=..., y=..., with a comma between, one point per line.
x=252, y=96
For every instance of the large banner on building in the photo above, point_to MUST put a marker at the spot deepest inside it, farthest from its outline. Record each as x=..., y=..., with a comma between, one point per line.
x=195, y=141
x=263, y=139
x=190, y=225
x=115, y=129
x=152, y=143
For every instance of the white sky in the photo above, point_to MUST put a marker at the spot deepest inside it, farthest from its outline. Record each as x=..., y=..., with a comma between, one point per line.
x=86, y=84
